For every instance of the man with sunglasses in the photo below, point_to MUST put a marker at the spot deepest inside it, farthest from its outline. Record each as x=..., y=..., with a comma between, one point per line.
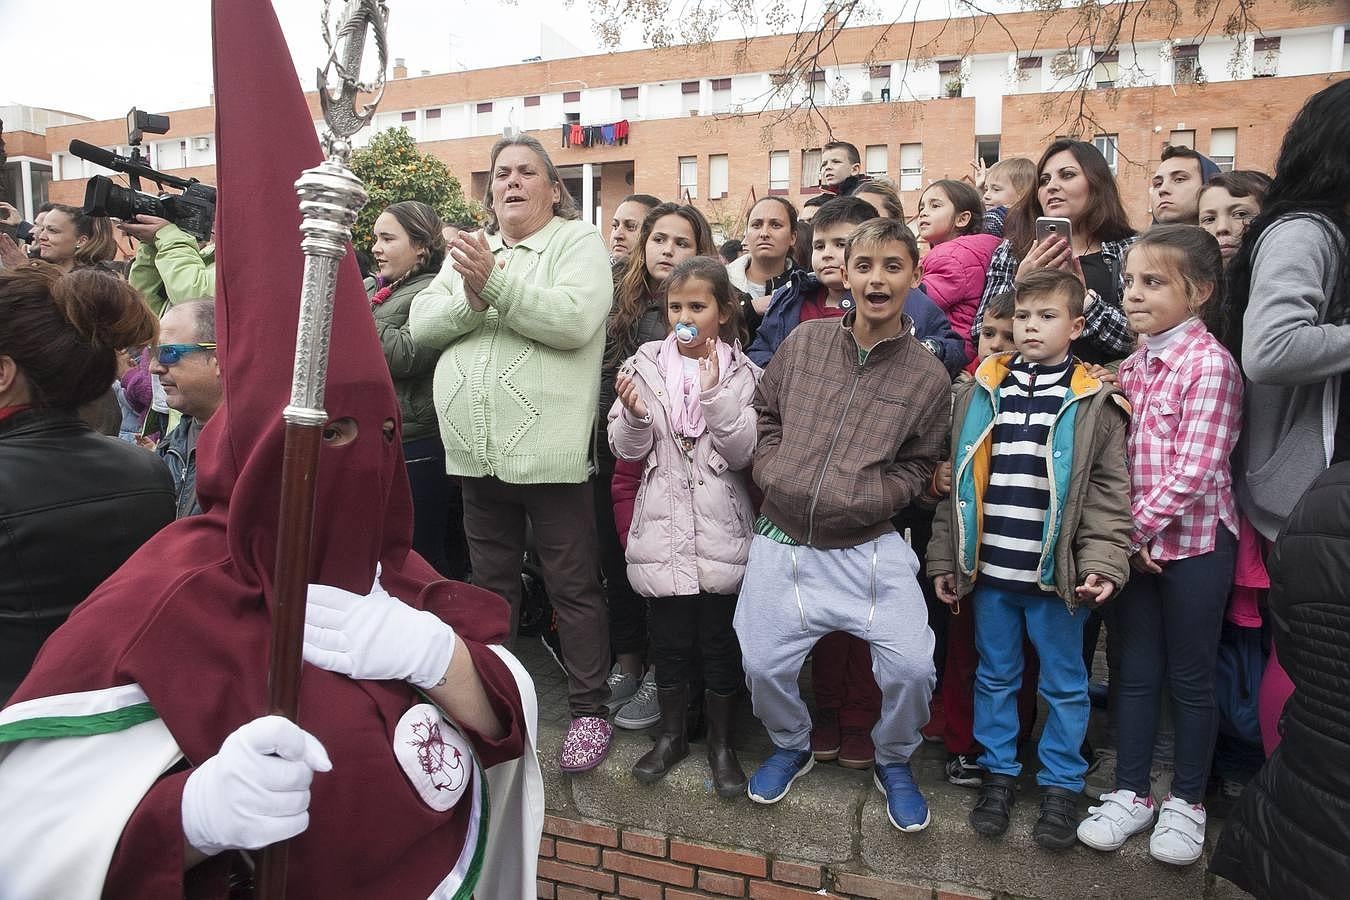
x=187, y=367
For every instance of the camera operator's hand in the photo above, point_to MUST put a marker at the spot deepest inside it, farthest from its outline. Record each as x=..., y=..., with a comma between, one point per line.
x=9, y=215
x=144, y=228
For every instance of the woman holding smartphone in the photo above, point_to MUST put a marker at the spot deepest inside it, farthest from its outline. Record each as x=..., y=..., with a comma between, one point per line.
x=1074, y=186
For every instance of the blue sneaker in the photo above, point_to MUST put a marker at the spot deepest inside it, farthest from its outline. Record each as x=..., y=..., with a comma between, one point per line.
x=775, y=775
x=905, y=805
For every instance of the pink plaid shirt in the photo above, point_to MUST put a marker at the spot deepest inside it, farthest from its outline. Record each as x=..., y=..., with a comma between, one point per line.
x=1187, y=411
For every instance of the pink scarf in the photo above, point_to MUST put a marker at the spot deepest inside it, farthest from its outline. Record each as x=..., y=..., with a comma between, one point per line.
x=683, y=393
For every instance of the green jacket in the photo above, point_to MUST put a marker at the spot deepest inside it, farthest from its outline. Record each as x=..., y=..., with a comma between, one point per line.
x=515, y=385
x=170, y=269
x=410, y=365
x=1087, y=529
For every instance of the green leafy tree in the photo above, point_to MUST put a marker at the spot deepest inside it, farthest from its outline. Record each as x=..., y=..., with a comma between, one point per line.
x=393, y=169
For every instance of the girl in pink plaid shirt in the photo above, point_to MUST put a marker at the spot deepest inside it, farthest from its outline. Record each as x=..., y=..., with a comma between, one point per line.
x=1186, y=391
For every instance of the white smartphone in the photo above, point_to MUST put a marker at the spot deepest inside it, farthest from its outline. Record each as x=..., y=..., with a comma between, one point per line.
x=1051, y=226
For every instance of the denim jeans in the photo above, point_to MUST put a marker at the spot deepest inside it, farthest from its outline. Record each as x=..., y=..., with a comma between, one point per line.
x=1168, y=626
x=1001, y=617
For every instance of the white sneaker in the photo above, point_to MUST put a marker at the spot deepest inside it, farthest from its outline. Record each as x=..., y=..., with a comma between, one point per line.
x=1121, y=814
x=1179, y=836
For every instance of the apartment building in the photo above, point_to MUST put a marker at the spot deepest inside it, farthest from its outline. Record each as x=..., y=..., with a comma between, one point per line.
x=921, y=101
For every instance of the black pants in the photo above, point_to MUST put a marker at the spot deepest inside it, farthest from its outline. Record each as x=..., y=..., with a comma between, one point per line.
x=627, y=611
x=685, y=628
x=438, y=509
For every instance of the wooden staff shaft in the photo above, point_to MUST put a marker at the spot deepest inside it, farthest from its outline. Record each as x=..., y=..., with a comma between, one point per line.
x=299, y=468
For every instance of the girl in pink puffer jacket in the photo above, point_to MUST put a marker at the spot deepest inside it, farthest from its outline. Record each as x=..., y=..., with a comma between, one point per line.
x=951, y=216
x=684, y=411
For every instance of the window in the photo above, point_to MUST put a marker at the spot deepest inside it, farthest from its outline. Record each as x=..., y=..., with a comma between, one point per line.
x=780, y=79
x=911, y=167
x=482, y=108
x=876, y=159
x=433, y=128
x=879, y=82
x=1186, y=64
x=688, y=177
x=718, y=174
x=811, y=171
x=411, y=115
x=1106, y=145
x=1029, y=73
x=628, y=102
x=778, y=172
x=1265, y=57
x=987, y=149
x=483, y=118
x=1182, y=139
x=689, y=97
x=1223, y=147
x=1106, y=71
x=721, y=84
x=572, y=118
x=571, y=96
x=817, y=76
x=532, y=101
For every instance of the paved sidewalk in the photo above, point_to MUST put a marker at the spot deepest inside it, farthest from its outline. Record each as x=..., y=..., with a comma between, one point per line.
x=836, y=816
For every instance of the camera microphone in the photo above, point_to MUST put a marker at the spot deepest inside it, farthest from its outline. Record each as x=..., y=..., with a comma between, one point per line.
x=110, y=160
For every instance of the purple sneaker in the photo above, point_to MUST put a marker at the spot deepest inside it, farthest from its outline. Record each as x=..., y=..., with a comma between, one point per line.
x=586, y=744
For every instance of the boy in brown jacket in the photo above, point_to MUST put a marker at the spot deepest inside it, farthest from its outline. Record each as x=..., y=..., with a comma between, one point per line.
x=1037, y=523
x=852, y=418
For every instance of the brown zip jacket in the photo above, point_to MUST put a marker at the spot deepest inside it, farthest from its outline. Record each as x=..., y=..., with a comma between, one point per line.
x=844, y=446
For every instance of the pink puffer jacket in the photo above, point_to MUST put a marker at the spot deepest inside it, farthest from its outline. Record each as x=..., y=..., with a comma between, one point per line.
x=693, y=517
x=953, y=276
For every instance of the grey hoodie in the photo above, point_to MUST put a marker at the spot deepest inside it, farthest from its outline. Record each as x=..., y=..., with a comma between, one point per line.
x=1294, y=359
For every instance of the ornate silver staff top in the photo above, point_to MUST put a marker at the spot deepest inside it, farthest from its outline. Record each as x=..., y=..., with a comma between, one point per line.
x=331, y=196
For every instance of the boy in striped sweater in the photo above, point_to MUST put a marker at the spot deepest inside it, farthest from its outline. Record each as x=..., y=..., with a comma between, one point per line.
x=1037, y=524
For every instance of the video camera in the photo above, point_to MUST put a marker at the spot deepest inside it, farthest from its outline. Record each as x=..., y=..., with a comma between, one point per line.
x=193, y=210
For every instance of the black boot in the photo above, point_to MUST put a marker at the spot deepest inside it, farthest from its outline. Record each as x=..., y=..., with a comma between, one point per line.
x=671, y=743
x=727, y=774
x=994, y=808
x=1057, y=826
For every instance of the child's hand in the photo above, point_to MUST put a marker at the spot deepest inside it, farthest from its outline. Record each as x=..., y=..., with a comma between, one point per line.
x=628, y=394
x=979, y=172
x=1095, y=590
x=1102, y=373
x=146, y=443
x=708, y=373
x=942, y=478
x=1143, y=563
x=945, y=587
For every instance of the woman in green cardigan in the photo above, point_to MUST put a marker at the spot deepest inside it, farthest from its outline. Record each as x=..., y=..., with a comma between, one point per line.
x=517, y=315
x=408, y=251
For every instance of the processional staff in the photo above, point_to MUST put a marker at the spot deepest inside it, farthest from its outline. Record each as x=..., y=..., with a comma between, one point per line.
x=331, y=197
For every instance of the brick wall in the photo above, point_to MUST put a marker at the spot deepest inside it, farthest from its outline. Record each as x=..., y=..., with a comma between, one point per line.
x=587, y=860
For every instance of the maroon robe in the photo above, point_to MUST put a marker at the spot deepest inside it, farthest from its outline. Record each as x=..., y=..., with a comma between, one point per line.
x=187, y=617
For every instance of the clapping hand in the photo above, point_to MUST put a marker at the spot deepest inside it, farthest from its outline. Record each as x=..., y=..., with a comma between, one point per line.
x=708, y=373
x=472, y=258
x=627, y=390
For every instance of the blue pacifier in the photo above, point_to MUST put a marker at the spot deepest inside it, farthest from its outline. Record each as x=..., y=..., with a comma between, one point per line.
x=685, y=334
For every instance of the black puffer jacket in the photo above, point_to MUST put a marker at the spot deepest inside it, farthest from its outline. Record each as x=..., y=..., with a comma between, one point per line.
x=74, y=505
x=1290, y=836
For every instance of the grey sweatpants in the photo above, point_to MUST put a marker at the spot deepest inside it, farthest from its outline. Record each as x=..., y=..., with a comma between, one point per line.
x=793, y=596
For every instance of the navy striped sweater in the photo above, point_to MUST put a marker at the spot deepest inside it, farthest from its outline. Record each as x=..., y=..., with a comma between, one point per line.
x=1017, y=497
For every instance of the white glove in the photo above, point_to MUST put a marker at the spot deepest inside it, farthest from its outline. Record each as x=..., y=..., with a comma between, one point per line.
x=376, y=637
x=255, y=791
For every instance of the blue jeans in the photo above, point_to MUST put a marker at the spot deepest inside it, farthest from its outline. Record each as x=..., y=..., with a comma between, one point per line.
x=1168, y=625
x=1001, y=617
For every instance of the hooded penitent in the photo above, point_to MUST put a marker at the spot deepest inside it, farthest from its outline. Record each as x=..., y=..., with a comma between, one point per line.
x=185, y=622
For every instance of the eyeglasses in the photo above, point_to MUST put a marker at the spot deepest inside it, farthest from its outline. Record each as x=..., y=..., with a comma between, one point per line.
x=170, y=354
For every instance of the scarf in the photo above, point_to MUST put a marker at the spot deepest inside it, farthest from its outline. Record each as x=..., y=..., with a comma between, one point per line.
x=683, y=392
